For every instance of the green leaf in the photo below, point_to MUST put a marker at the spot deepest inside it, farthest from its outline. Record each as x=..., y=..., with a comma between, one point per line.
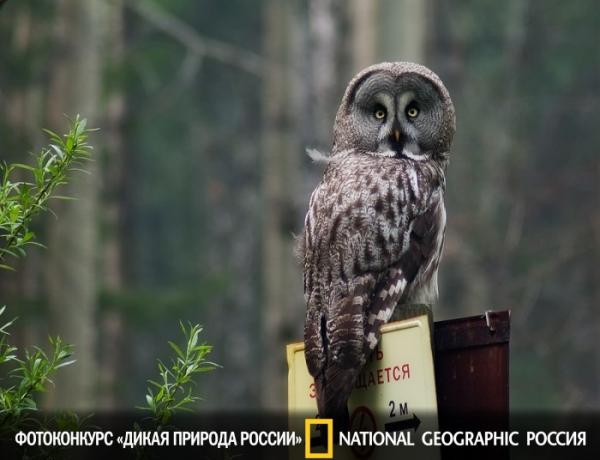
x=23, y=166
x=66, y=363
x=176, y=348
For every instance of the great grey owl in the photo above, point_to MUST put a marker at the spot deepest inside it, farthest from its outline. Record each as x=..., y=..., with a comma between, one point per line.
x=375, y=226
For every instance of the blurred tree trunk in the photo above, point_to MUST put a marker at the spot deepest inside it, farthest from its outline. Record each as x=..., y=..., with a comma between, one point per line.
x=282, y=294
x=324, y=28
x=364, y=33
x=72, y=275
x=321, y=65
x=403, y=26
x=112, y=191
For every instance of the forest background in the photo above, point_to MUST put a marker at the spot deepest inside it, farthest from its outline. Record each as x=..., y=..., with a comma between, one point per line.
x=200, y=179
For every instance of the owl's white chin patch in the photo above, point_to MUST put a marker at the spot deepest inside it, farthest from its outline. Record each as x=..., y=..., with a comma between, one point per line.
x=420, y=157
x=405, y=153
x=384, y=153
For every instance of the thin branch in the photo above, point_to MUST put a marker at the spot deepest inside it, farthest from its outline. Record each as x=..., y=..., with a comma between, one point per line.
x=197, y=44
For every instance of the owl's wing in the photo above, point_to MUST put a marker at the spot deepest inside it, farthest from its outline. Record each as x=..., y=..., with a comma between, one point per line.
x=338, y=342
x=417, y=264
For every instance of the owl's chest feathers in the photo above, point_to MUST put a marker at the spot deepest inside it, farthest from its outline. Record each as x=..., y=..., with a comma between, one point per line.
x=362, y=216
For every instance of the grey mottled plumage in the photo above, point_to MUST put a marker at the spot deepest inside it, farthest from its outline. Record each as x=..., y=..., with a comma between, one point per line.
x=375, y=225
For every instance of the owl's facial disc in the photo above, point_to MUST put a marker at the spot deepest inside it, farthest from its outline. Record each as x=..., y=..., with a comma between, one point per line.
x=398, y=116
x=399, y=138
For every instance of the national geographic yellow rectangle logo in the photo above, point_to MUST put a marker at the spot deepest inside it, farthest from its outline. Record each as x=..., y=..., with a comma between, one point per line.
x=307, y=438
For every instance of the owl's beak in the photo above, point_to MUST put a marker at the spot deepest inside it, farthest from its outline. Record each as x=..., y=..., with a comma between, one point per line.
x=397, y=135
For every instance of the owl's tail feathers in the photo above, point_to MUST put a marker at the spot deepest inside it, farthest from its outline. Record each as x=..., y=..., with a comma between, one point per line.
x=334, y=387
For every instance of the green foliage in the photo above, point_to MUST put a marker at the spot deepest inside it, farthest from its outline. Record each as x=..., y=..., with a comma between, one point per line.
x=21, y=200
x=174, y=391
x=31, y=375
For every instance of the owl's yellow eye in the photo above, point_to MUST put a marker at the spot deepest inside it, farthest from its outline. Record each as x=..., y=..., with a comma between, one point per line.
x=379, y=114
x=412, y=111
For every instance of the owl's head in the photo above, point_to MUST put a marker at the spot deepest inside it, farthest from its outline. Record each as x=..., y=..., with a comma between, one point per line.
x=396, y=109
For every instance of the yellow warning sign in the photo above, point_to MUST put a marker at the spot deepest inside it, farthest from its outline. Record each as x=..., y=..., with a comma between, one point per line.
x=394, y=393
